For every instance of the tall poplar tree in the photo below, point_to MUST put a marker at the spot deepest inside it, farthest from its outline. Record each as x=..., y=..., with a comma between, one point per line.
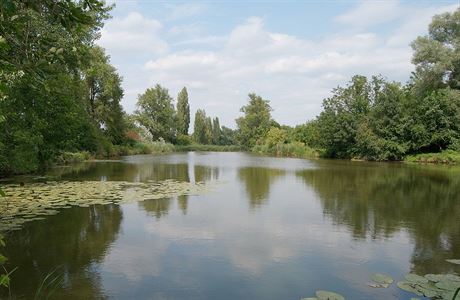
x=183, y=112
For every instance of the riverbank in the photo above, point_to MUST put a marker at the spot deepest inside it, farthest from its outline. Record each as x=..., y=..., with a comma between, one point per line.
x=444, y=157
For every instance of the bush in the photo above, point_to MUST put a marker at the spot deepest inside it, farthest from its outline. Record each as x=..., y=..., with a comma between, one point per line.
x=66, y=158
x=215, y=148
x=183, y=140
x=294, y=149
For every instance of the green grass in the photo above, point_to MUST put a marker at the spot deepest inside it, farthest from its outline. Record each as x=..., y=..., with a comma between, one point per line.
x=445, y=157
x=198, y=147
x=294, y=149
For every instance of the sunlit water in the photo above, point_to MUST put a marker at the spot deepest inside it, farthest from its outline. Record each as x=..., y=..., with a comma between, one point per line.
x=271, y=228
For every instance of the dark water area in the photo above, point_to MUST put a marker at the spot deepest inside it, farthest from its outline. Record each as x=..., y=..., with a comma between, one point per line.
x=271, y=228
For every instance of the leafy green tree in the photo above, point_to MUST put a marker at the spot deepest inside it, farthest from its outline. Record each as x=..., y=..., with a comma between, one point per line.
x=208, y=130
x=104, y=95
x=216, y=131
x=436, y=55
x=199, y=130
x=308, y=134
x=183, y=112
x=254, y=125
x=43, y=46
x=228, y=136
x=155, y=112
x=275, y=136
x=342, y=114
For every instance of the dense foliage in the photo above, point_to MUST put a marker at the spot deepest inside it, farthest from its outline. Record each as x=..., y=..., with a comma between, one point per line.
x=58, y=91
x=256, y=122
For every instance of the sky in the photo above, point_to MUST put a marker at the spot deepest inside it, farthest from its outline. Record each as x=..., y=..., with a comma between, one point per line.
x=292, y=52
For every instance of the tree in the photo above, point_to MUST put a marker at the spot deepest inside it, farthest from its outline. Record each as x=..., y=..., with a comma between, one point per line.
x=436, y=55
x=254, y=125
x=155, y=112
x=199, y=130
x=342, y=114
x=43, y=49
x=104, y=95
x=216, y=131
x=183, y=112
x=208, y=130
x=228, y=136
x=275, y=136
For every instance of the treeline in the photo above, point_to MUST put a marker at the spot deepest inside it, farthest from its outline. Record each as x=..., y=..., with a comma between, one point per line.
x=373, y=118
x=157, y=117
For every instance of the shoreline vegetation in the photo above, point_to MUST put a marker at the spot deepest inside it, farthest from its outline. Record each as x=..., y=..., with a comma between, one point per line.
x=60, y=102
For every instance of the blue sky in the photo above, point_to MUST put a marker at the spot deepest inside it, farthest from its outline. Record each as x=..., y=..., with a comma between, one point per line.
x=289, y=52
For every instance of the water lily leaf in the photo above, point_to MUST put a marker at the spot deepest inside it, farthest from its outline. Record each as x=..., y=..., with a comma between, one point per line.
x=454, y=261
x=326, y=295
x=448, y=285
x=408, y=287
x=453, y=277
x=382, y=278
x=415, y=278
x=434, y=277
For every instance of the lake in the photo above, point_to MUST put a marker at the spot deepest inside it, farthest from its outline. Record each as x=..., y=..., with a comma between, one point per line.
x=268, y=228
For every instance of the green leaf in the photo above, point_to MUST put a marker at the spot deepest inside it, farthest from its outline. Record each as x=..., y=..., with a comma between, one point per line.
x=382, y=278
x=454, y=261
x=4, y=280
x=409, y=287
x=326, y=295
x=2, y=193
x=416, y=278
x=448, y=285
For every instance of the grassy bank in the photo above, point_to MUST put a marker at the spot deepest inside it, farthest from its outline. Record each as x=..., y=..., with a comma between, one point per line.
x=199, y=147
x=294, y=149
x=445, y=157
x=113, y=151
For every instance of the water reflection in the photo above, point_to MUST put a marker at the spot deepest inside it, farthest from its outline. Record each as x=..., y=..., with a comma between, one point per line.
x=156, y=207
x=378, y=201
x=70, y=242
x=321, y=224
x=257, y=181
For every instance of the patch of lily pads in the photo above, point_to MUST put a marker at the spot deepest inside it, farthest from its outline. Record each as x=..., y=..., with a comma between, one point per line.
x=434, y=286
x=35, y=201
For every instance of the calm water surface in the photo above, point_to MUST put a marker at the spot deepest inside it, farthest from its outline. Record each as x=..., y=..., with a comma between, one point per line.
x=272, y=228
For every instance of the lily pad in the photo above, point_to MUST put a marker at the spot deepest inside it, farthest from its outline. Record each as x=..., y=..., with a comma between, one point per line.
x=408, y=287
x=326, y=295
x=434, y=277
x=382, y=279
x=414, y=278
x=448, y=285
x=454, y=261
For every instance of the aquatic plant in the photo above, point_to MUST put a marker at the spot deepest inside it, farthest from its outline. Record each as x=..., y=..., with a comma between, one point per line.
x=34, y=201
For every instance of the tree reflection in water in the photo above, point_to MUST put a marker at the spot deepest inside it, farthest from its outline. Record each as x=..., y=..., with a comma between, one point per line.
x=378, y=200
x=80, y=238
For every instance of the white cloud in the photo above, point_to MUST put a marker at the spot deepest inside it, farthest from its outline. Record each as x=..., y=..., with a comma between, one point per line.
x=133, y=33
x=369, y=13
x=185, y=10
x=294, y=73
